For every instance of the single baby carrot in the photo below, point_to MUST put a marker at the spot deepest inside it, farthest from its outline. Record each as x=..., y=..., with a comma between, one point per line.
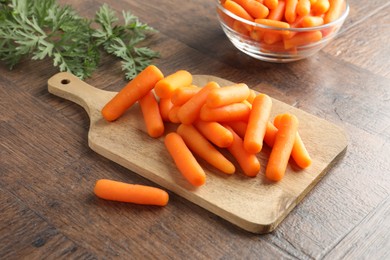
x=165, y=87
x=271, y=4
x=241, y=28
x=189, y=111
x=302, y=38
x=215, y=133
x=320, y=7
x=172, y=115
x=247, y=161
x=273, y=23
x=237, y=10
x=165, y=106
x=335, y=10
x=278, y=13
x=183, y=94
x=299, y=152
x=281, y=151
x=227, y=95
x=199, y=145
x=151, y=113
x=184, y=159
x=232, y=112
x=239, y=127
x=311, y=21
x=303, y=7
x=254, y=8
x=133, y=193
x=270, y=133
x=271, y=38
x=290, y=12
x=257, y=123
x=132, y=92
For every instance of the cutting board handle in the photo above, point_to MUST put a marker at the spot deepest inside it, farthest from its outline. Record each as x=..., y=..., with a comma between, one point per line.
x=70, y=87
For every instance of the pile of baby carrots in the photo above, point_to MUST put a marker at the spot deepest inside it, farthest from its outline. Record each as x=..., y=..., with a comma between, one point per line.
x=209, y=118
x=283, y=14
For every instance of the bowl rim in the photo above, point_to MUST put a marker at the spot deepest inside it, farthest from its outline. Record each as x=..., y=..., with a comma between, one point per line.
x=302, y=29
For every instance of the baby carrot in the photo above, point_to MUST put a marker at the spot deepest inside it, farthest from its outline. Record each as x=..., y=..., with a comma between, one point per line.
x=273, y=23
x=251, y=97
x=270, y=133
x=290, y=12
x=199, y=145
x=303, y=7
x=311, y=21
x=165, y=106
x=184, y=159
x=281, y=151
x=320, y=7
x=254, y=8
x=151, y=113
x=271, y=4
x=241, y=28
x=133, y=193
x=278, y=13
x=215, y=133
x=189, y=111
x=232, y=112
x=335, y=10
x=132, y=92
x=299, y=152
x=239, y=127
x=271, y=38
x=172, y=115
x=257, y=123
x=165, y=87
x=247, y=161
x=237, y=10
x=302, y=38
x=183, y=94
x=227, y=95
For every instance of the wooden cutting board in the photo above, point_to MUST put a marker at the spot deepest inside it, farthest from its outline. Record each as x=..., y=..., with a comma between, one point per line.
x=254, y=204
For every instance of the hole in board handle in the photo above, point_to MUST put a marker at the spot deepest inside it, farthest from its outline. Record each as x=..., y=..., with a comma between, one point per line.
x=65, y=81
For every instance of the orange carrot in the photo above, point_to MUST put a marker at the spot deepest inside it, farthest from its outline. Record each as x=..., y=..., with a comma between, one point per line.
x=302, y=39
x=242, y=28
x=184, y=159
x=271, y=38
x=172, y=115
x=199, y=145
x=165, y=87
x=320, y=7
x=239, y=127
x=189, y=111
x=151, y=113
x=165, y=106
x=299, y=152
x=227, y=95
x=132, y=92
x=273, y=23
x=183, y=94
x=278, y=13
x=270, y=134
x=215, y=133
x=290, y=12
x=335, y=10
x=311, y=21
x=251, y=97
x=271, y=4
x=237, y=10
x=232, y=112
x=257, y=123
x=256, y=35
x=296, y=24
x=303, y=7
x=281, y=151
x=254, y=8
x=133, y=193
x=247, y=161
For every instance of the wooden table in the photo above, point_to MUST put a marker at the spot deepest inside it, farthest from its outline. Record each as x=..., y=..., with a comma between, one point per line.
x=48, y=210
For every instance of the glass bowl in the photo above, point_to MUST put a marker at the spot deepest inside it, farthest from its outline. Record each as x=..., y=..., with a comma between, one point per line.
x=275, y=44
